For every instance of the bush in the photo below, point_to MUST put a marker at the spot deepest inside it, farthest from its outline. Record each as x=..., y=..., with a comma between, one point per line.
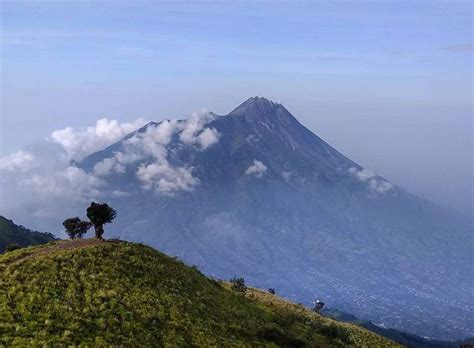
x=336, y=332
x=11, y=247
x=274, y=333
x=196, y=268
x=238, y=285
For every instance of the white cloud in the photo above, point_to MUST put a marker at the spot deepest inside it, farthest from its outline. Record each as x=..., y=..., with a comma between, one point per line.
x=105, y=167
x=46, y=192
x=257, y=169
x=193, y=125
x=163, y=132
x=17, y=161
x=363, y=174
x=193, y=131
x=81, y=143
x=375, y=184
x=39, y=185
x=164, y=178
x=72, y=183
x=127, y=157
x=150, y=147
x=156, y=173
x=379, y=186
x=208, y=137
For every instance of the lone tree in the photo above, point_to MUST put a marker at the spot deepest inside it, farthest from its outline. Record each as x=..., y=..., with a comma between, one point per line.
x=76, y=228
x=100, y=214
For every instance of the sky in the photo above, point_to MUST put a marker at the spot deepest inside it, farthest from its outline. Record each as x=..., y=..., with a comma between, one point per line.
x=388, y=83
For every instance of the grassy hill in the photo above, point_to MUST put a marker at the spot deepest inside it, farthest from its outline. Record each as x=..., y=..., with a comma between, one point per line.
x=10, y=233
x=97, y=293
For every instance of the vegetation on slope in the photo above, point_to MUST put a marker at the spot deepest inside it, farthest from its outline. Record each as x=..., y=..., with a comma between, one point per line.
x=92, y=292
x=10, y=233
x=406, y=339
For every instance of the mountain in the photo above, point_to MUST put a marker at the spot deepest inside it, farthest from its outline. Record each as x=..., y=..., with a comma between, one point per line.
x=14, y=234
x=96, y=293
x=255, y=193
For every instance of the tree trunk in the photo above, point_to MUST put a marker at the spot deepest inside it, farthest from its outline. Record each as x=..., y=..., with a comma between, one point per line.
x=99, y=231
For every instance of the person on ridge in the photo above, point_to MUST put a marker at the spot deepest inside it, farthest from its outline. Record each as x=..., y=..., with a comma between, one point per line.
x=318, y=306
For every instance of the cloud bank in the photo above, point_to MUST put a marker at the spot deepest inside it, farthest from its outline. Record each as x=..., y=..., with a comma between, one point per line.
x=150, y=149
x=38, y=185
x=17, y=161
x=83, y=142
x=43, y=182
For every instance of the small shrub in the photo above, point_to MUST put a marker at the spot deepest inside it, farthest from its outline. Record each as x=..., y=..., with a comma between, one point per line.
x=336, y=332
x=196, y=269
x=274, y=333
x=11, y=247
x=238, y=285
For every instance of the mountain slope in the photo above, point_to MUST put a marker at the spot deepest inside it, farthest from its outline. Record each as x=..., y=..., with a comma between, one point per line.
x=256, y=193
x=90, y=292
x=10, y=233
x=408, y=340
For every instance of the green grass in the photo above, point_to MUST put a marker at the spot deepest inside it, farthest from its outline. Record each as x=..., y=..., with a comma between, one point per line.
x=115, y=293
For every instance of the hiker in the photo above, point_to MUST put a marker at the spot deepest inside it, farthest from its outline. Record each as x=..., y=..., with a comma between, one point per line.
x=318, y=306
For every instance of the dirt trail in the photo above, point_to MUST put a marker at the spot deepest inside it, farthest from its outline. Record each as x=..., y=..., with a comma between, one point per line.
x=61, y=245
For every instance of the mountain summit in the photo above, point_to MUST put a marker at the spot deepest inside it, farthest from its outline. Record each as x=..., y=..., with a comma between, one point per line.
x=259, y=109
x=255, y=193
x=257, y=106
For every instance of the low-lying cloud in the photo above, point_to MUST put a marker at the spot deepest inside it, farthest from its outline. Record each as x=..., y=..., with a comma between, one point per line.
x=39, y=185
x=375, y=184
x=150, y=147
x=257, y=169
x=42, y=182
x=192, y=131
x=17, y=161
x=83, y=142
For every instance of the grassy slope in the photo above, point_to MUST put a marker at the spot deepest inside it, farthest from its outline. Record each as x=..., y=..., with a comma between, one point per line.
x=14, y=234
x=101, y=293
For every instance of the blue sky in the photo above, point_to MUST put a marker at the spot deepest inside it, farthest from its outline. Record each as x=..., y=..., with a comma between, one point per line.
x=389, y=83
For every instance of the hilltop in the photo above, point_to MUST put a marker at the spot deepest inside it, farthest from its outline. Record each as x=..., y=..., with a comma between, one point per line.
x=10, y=233
x=91, y=292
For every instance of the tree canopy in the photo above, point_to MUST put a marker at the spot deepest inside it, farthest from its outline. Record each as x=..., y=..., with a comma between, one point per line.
x=75, y=227
x=100, y=214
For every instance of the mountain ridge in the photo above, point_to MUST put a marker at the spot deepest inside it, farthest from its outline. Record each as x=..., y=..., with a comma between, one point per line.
x=10, y=233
